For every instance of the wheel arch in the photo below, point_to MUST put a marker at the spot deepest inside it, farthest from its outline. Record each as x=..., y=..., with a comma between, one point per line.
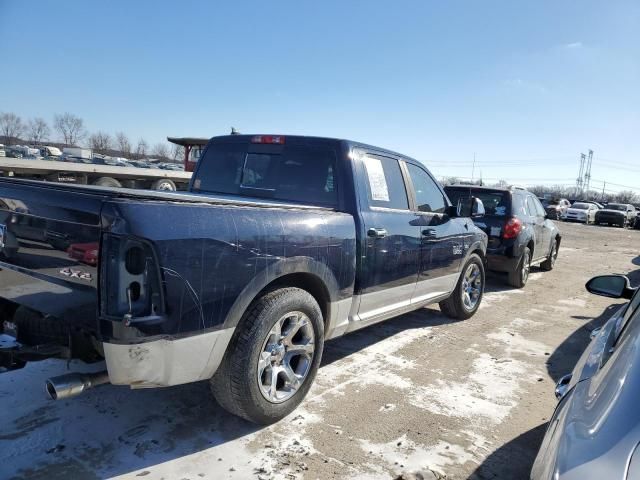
x=301, y=272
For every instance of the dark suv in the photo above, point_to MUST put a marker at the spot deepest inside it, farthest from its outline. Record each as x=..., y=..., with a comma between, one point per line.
x=520, y=233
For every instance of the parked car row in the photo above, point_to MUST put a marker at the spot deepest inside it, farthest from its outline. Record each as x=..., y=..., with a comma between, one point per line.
x=589, y=212
x=81, y=155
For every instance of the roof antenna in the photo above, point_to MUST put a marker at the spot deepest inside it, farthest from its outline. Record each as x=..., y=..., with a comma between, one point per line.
x=234, y=131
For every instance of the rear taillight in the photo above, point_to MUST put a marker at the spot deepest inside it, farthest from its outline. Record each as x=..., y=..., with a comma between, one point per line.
x=130, y=287
x=269, y=139
x=512, y=228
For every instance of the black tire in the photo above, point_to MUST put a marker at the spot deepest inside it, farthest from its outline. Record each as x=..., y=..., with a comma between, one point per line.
x=107, y=182
x=518, y=278
x=550, y=262
x=164, y=185
x=235, y=385
x=454, y=306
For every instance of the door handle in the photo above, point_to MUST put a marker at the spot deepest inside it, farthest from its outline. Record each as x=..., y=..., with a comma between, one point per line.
x=429, y=233
x=377, y=233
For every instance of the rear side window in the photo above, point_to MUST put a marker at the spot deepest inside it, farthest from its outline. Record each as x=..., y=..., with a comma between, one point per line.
x=302, y=174
x=531, y=207
x=385, y=184
x=495, y=203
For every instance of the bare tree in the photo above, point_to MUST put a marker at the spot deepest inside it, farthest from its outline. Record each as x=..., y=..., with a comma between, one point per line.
x=160, y=150
x=11, y=126
x=177, y=153
x=100, y=142
x=38, y=130
x=70, y=128
x=626, y=196
x=141, y=149
x=123, y=144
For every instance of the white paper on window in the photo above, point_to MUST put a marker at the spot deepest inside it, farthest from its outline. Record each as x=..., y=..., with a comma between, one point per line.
x=377, y=180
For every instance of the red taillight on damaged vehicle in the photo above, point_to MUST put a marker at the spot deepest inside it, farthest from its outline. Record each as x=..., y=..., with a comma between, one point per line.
x=268, y=139
x=512, y=228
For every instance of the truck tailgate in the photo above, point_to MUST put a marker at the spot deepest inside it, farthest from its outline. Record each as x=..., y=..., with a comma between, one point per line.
x=49, y=241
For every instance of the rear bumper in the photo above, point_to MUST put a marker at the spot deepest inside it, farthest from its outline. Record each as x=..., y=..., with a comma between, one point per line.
x=614, y=219
x=166, y=362
x=502, y=263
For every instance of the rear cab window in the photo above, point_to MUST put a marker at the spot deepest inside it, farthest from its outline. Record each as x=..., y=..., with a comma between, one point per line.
x=291, y=173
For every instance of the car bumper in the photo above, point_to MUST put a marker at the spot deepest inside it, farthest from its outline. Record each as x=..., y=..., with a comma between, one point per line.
x=501, y=262
x=612, y=219
x=166, y=362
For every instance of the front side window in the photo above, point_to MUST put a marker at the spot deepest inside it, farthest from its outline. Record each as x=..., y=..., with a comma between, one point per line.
x=429, y=198
x=385, y=185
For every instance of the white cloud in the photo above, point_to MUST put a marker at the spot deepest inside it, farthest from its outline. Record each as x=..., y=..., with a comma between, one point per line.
x=573, y=45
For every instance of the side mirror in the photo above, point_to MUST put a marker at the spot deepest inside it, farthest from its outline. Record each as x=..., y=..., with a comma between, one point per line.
x=612, y=286
x=470, y=207
x=477, y=208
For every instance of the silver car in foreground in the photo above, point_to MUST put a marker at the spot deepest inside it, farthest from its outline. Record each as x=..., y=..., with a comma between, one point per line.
x=594, y=432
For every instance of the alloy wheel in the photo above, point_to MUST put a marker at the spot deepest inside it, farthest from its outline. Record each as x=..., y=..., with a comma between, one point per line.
x=286, y=357
x=471, y=286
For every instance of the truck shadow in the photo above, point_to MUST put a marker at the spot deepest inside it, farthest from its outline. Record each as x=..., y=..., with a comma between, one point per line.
x=514, y=459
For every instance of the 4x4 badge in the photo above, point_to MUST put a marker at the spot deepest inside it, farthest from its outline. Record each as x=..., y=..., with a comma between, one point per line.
x=72, y=273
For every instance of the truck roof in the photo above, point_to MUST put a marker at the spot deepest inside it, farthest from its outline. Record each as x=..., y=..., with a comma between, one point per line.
x=302, y=140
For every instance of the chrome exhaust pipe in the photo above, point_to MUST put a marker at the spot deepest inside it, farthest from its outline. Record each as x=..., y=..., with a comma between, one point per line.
x=72, y=384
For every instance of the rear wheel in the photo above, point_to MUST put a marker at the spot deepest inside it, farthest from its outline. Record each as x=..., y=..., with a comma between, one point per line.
x=164, y=185
x=107, y=182
x=272, y=358
x=518, y=278
x=550, y=262
x=465, y=299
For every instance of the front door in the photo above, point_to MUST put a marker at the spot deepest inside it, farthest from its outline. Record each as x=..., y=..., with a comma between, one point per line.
x=442, y=238
x=390, y=247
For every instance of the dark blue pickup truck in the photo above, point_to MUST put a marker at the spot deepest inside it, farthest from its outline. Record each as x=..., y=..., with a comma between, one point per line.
x=280, y=244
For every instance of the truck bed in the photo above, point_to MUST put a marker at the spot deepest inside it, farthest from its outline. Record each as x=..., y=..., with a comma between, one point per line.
x=156, y=195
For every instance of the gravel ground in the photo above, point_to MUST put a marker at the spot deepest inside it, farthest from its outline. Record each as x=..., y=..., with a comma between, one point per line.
x=416, y=394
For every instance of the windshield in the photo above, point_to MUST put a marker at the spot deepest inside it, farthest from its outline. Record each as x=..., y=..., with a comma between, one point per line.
x=293, y=173
x=616, y=206
x=495, y=202
x=581, y=206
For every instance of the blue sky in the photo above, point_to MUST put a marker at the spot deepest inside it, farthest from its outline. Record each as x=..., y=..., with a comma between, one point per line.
x=527, y=86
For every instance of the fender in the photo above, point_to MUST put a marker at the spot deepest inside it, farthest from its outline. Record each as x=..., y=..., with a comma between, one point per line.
x=283, y=267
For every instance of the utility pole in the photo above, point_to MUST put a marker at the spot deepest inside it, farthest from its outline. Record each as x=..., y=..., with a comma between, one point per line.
x=579, y=180
x=604, y=184
x=473, y=168
x=587, y=174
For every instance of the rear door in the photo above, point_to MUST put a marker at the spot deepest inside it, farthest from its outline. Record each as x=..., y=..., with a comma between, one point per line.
x=441, y=237
x=390, y=247
x=535, y=220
